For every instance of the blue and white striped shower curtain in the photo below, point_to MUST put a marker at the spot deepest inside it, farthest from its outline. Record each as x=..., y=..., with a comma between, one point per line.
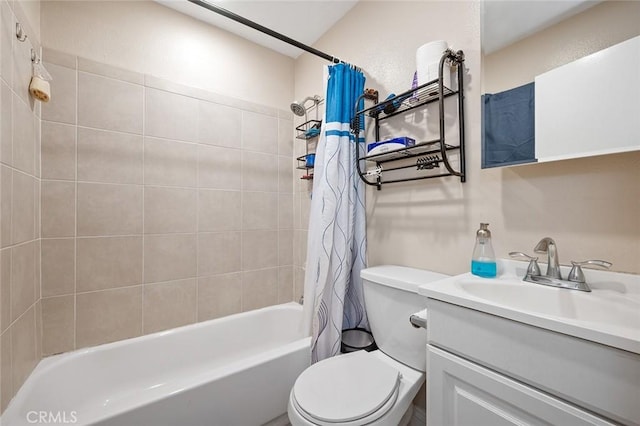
x=337, y=244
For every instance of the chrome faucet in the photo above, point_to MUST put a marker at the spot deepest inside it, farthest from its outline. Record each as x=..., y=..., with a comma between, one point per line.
x=575, y=280
x=548, y=246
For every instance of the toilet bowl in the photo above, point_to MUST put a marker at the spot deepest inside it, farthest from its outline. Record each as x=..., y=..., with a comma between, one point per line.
x=378, y=387
x=360, y=388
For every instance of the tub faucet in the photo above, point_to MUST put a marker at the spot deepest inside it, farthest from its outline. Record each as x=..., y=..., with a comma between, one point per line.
x=548, y=246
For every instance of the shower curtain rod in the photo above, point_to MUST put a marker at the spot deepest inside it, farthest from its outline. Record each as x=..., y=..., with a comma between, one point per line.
x=242, y=20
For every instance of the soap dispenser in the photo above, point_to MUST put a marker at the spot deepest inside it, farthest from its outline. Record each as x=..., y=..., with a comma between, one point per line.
x=483, y=262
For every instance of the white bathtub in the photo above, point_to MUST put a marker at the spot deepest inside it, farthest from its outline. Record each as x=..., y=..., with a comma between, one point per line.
x=236, y=370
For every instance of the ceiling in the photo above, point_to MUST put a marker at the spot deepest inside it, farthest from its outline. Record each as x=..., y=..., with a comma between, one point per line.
x=506, y=22
x=503, y=22
x=303, y=20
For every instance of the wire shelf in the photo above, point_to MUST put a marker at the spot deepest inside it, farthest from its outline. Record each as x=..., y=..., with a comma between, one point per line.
x=423, y=148
x=432, y=156
x=303, y=163
x=408, y=100
x=309, y=129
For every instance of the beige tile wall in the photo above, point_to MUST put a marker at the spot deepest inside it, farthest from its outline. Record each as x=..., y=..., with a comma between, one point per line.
x=302, y=203
x=20, y=318
x=162, y=205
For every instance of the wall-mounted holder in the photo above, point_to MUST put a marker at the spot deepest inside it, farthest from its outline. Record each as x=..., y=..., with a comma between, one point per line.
x=39, y=86
x=22, y=37
x=20, y=34
x=428, y=155
x=308, y=131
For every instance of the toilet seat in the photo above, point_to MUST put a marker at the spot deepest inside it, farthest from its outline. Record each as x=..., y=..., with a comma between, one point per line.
x=354, y=389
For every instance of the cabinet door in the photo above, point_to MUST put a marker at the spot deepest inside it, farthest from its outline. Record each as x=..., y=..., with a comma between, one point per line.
x=590, y=106
x=461, y=393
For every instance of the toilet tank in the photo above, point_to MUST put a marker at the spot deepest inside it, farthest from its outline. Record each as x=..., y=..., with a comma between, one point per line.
x=391, y=296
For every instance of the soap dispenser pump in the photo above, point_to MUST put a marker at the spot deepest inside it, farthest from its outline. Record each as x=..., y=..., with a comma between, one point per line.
x=483, y=261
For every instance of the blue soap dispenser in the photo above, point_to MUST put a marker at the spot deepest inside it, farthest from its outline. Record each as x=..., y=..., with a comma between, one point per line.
x=483, y=261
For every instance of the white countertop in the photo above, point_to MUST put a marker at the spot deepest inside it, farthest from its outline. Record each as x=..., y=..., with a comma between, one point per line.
x=609, y=314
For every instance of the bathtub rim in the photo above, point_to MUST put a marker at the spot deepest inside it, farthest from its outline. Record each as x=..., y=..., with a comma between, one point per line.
x=193, y=326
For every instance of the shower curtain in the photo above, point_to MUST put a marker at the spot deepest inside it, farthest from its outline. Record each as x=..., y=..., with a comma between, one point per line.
x=337, y=244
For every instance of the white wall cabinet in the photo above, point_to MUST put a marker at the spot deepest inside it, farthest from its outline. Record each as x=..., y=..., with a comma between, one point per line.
x=486, y=370
x=590, y=106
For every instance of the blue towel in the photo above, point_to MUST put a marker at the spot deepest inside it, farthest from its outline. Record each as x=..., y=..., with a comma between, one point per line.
x=312, y=132
x=508, y=130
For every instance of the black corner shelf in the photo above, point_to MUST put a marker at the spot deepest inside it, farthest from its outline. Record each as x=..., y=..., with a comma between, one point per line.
x=307, y=131
x=429, y=155
x=302, y=162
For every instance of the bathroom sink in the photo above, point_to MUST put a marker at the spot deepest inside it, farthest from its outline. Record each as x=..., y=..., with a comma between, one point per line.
x=609, y=314
x=600, y=306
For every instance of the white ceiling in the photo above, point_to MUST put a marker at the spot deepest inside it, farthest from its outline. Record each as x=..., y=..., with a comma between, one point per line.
x=503, y=21
x=302, y=20
x=506, y=22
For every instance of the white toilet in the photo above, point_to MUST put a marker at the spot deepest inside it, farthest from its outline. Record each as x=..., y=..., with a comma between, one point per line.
x=371, y=388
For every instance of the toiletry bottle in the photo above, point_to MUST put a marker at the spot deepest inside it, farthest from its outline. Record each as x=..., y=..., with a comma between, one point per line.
x=483, y=262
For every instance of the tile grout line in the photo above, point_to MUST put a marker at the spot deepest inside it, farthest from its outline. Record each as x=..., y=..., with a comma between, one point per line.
x=38, y=201
x=11, y=361
x=242, y=203
x=197, y=307
x=144, y=239
x=75, y=237
x=188, y=278
x=295, y=179
x=278, y=242
x=11, y=233
x=152, y=185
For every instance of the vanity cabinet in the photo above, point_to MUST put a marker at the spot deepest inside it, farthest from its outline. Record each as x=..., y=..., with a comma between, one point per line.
x=464, y=393
x=486, y=370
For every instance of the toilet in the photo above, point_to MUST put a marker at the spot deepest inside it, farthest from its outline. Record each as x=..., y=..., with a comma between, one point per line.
x=371, y=388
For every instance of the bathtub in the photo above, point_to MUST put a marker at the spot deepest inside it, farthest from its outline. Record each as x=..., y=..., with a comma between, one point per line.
x=236, y=370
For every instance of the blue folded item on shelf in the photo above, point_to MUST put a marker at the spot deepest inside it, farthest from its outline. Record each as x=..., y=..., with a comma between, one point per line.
x=508, y=127
x=312, y=132
x=387, y=145
x=310, y=160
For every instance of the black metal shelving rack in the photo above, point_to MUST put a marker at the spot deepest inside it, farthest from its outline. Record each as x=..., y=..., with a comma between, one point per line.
x=428, y=154
x=307, y=131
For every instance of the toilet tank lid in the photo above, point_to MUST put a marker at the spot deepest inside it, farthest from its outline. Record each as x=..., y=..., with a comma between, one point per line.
x=400, y=277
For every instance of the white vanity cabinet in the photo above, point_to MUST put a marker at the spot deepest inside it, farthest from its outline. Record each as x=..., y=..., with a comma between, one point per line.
x=464, y=393
x=486, y=370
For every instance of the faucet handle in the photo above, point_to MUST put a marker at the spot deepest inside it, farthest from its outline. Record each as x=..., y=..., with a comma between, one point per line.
x=576, y=273
x=533, y=268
